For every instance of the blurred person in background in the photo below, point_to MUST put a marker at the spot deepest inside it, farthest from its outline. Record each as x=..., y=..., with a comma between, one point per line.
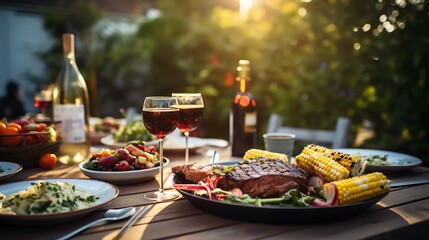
x=11, y=106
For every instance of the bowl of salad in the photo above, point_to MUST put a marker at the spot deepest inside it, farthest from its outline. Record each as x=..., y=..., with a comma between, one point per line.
x=129, y=132
x=131, y=164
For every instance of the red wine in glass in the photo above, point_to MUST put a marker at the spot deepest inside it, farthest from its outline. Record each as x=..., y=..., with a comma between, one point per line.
x=42, y=104
x=190, y=117
x=160, y=117
x=42, y=101
x=191, y=114
x=160, y=121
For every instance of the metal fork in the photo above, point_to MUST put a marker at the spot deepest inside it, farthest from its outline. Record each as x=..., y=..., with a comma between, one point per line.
x=131, y=221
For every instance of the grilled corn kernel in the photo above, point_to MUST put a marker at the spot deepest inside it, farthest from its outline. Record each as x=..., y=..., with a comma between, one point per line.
x=258, y=153
x=361, y=188
x=317, y=164
x=353, y=163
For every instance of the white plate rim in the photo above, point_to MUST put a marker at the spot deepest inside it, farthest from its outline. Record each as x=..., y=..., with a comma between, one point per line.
x=122, y=177
x=110, y=142
x=106, y=191
x=216, y=142
x=194, y=143
x=414, y=161
x=13, y=168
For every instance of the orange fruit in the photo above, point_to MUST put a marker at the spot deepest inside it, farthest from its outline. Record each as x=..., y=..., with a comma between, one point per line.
x=15, y=125
x=10, y=141
x=48, y=161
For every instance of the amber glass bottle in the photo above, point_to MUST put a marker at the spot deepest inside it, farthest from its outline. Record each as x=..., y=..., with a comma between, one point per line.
x=243, y=115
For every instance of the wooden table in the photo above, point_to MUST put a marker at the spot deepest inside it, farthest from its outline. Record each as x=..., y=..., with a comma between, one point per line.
x=402, y=214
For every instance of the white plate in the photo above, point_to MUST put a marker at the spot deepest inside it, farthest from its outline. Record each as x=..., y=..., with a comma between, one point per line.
x=172, y=143
x=122, y=177
x=8, y=169
x=104, y=191
x=112, y=144
x=177, y=143
x=396, y=161
x=216, y=142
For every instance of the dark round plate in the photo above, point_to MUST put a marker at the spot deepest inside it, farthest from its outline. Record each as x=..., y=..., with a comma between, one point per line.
x=275, y=214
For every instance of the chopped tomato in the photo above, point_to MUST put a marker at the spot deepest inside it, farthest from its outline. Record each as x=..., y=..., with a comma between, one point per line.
x=220, y=196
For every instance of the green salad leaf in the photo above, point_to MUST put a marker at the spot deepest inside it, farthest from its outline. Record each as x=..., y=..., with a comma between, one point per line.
x=133, y=130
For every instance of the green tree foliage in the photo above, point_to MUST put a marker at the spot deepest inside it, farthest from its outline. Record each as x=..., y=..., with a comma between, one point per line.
x=395, y=97
x=311, y=61
x=78, y=19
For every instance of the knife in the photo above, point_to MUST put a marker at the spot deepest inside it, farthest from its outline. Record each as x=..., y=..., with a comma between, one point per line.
x=409, y=183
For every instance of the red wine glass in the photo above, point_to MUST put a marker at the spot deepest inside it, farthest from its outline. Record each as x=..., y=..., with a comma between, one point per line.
x=191, y=114
x=161, y=117
x=42, y=100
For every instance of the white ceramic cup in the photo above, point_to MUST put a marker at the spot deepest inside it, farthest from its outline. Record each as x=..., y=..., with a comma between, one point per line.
x=280, y=143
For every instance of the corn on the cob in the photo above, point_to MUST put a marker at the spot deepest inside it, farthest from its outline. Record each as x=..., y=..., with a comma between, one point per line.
x=258, y=153
x=361, y=188
x=351, y=162
x=317, y=164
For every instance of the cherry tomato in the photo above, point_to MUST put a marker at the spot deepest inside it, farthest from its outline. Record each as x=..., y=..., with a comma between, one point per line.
x=40, y=127
x=2, y=126
x=15, y=125
x=10, y=141
x=48, y=161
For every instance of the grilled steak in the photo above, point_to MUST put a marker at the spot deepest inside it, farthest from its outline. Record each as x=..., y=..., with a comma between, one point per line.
x=258, y=178
x=266, y=178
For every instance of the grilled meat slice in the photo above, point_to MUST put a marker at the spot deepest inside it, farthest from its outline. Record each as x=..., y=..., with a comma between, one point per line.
x=266, y=178
x=194, y=172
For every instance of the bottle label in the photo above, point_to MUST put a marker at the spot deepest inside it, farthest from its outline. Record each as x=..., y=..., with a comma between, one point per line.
x=250, y=122
x=72, y=124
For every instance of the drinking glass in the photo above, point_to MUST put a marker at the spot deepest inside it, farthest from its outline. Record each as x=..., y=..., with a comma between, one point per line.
x=191, y=114
x=42, y=100
x=160, y=117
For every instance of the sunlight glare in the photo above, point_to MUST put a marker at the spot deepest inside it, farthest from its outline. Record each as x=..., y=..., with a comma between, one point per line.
x=302, y=12
x=366, y=27
x=356, y=46
x=245, y=6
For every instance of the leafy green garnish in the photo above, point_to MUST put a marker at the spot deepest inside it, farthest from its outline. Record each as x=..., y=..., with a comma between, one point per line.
x=222, y=170
x=291, y=198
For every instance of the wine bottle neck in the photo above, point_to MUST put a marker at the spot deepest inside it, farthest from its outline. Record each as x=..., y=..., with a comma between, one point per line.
x=243, y=85
x=68, y=44
x=70, y=58
x=243, y=70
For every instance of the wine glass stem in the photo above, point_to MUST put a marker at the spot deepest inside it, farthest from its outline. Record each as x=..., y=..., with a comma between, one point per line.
x=161, y=165
x=186, y=147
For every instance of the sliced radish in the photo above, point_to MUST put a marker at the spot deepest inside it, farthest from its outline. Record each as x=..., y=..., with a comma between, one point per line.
x=317, y=202
x=316, y=181
x=237, y=192
x=331, y=194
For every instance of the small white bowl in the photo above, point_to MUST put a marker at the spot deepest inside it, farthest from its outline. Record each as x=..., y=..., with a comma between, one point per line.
x=122, y=177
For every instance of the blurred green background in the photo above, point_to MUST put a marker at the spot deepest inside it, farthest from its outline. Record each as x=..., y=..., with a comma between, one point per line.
x=311, y=62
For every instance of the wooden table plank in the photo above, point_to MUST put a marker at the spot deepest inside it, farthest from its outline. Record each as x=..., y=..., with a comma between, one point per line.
x=402, y=210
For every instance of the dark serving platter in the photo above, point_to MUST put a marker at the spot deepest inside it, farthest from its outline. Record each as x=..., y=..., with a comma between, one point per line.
x=275, y=214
